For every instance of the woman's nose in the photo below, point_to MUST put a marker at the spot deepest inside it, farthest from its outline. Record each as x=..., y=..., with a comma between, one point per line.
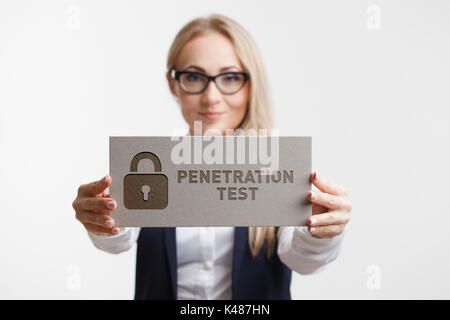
x=211, y=95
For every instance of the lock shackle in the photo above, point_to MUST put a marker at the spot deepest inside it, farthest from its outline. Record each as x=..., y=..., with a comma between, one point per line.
x=145, y=155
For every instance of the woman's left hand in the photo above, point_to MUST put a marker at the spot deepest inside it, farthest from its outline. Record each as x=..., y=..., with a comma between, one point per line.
x=331, y=208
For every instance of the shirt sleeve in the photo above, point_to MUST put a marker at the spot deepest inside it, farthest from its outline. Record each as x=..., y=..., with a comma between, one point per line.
x=303, y=253
x=118, y=243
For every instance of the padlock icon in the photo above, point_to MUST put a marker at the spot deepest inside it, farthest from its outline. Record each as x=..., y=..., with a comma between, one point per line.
x=145, y=190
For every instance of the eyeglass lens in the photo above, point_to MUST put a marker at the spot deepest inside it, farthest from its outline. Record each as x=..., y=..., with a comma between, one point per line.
x=226, y=83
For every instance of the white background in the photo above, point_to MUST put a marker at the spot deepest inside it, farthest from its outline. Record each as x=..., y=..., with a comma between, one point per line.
x=373, y=93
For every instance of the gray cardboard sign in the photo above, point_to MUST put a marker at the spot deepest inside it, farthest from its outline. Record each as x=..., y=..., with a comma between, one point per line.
x=210, y=181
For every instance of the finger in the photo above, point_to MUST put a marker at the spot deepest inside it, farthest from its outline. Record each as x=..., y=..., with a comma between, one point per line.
x=104, y=205
x=97, y=219
x=326, y=231
x=101, y=230
x=330, y=201
x=318, y=209
x=104, y=194
x=328, y=186
x=96, y=187
x=329, y=218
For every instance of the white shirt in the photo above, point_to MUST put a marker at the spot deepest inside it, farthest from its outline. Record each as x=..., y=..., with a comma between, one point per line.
x=204, y=255
x=204, y=262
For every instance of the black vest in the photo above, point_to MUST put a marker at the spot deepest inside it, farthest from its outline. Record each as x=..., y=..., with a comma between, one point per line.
x=252, y=278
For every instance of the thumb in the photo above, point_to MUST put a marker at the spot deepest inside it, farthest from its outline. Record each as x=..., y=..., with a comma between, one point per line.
x=96, y=187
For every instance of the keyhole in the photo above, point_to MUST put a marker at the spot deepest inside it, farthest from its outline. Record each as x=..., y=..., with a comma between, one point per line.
x=145, y=191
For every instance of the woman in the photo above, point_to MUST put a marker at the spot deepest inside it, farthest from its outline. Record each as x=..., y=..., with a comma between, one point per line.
x=216, y=74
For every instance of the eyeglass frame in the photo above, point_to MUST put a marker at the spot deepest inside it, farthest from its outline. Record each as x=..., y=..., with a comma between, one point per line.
x=175, y=74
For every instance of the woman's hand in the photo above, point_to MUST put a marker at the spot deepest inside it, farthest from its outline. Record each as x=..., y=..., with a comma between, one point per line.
x=330, y=208
x=93, y=206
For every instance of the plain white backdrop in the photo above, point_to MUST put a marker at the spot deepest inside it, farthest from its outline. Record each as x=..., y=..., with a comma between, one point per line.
x=368, y=80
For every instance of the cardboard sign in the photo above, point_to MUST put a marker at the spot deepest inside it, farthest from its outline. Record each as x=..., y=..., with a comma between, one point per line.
x=210, y=181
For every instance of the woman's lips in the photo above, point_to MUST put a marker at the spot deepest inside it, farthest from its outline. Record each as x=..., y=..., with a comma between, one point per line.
x=211, y=115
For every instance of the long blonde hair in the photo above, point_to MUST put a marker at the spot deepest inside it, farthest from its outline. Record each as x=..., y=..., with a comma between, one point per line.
x=259, y=113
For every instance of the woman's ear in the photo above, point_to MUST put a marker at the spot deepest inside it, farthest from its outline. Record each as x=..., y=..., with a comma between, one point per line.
x=171, y=85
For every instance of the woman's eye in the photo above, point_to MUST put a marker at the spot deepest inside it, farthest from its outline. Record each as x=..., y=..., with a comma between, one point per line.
x=231, y=78
x=194, y=77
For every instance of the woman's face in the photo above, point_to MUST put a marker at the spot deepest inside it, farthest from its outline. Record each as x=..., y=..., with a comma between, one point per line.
x=210, y=53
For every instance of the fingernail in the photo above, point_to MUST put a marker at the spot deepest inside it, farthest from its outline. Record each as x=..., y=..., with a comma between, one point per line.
x=110, y=204
x=115, y=230
x=312, y=230
x=316, y=176
x=109, y=224
x=104, y=178
x=313, y=195
x=313, y=221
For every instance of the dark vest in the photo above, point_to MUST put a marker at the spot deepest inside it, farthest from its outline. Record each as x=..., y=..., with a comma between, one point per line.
x=252, y=278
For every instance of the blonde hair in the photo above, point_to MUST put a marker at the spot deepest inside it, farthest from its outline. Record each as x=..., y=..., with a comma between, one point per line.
x=259, y=113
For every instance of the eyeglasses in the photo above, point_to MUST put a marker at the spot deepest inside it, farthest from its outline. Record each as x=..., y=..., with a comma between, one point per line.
x=196, y=82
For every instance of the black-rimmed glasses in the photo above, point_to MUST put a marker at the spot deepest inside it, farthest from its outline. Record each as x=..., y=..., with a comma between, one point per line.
x=196, y=82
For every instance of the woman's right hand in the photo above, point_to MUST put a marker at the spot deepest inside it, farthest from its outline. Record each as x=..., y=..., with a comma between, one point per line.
x=93, y=206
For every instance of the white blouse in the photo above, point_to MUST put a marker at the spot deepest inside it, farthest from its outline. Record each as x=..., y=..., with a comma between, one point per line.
x=204, y=255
